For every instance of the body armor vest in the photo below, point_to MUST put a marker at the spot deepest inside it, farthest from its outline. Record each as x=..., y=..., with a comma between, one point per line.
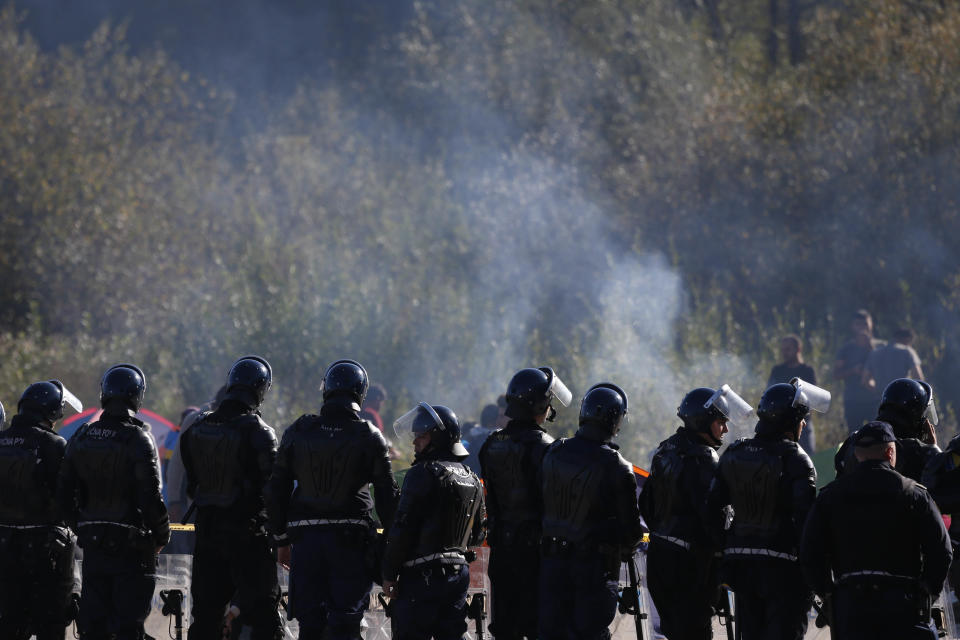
x=753, y=473
x=25, y=498
x=510, y=465
x=672, y=512
x=458, y=498
x=219, y=455
x=573, y=487
x=332, y=462
x=101, y=455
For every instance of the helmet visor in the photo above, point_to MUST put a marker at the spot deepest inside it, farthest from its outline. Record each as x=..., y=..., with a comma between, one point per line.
x=734, y=408
x=557, y=389
x=69, y=398
x=420, y=419
x=930, y=413
x=810, y=395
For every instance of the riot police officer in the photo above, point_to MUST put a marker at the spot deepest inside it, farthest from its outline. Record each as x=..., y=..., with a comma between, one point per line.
x=36, y=548
x=907, y=405
x=228, y=455
x=941, y=477
x=510, y=463
x=332, y=458
x=875, y=545
x=109, y=489
x=590, y=521
x=770, y=483
x=680, y=571
x=441, y=513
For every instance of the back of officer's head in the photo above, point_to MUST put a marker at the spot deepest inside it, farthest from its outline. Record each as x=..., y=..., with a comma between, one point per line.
x=42, y=401
x=345, y=382
x=248, y=381
x=696, y=412
x=602, y=411
x=875, y=441
x=904, y=405
x=121, y=389
x=778, y=411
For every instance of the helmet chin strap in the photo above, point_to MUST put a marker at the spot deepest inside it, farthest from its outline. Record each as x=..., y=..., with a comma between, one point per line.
x=710, y=439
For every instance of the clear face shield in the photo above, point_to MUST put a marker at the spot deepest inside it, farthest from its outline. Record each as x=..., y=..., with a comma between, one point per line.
x=68, y=398
x=810, y=396
x=735, y=409
x=558, y=390
x=930, y=413
x=418, y=420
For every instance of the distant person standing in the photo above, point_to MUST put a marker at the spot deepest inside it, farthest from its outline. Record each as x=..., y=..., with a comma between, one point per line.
x=859, y=401
x=892, y=361
x=372, y=404
x=792, y=366
x=478, y=434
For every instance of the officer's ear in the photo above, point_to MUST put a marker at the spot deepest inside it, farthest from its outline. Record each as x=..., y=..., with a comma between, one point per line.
x=891, y=454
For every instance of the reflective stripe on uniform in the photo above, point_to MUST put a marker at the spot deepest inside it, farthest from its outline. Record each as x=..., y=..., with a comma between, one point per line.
x=308, y=523
x=447, y=557
x=677, y=541
x=868, y=573
x=86, y=523
x=747, y=551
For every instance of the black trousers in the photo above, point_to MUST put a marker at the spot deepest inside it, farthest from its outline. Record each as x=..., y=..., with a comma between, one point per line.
x=36, y=581
x=872, y=612
x=682, y=590
x=514, y=572
x=772, y=599
x=431, y=602
x=233, y=565
x=578, y=595
x=118, y=585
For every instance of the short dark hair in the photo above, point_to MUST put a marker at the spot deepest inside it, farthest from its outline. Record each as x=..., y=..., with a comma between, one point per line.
x=795, y=339
x=861, y=314
x=489, y=415
x=376, y=393
x=904, y=334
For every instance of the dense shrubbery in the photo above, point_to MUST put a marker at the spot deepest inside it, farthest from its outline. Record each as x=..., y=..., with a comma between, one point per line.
x=614, y=188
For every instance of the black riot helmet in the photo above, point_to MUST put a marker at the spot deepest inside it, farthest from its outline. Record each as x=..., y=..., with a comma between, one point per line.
x=696, y=411
x=440, y=421
x=531, y=392
x=345, y=379
x=603, y=408
x=45, y=400
x=122, y=388
x=249, y=380
x=784, y=405
x=905, y=404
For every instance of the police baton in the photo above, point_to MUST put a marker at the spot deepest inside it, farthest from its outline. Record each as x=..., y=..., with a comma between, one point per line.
x=630, y=598
x=186, y=517
x=725, y=611
x=173, y=605
x=387, y=606
x=477, y=611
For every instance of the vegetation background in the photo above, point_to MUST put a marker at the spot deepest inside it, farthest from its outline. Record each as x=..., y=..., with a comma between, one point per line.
x=647, y=192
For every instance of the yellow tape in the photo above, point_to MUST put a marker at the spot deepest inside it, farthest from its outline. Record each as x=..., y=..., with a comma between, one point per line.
x=181, y=527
